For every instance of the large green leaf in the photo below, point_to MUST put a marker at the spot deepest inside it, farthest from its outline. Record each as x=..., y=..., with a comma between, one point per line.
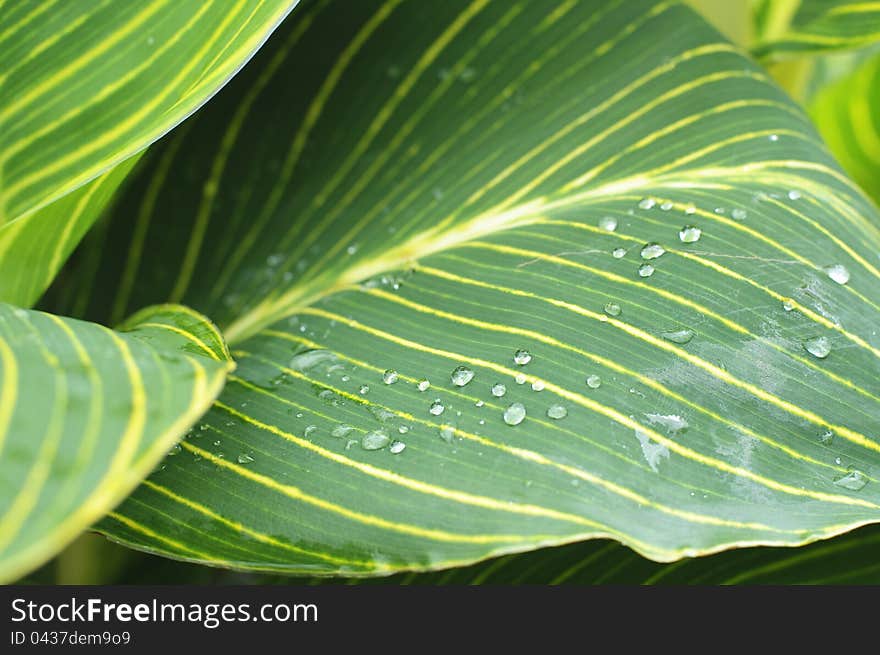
x=86, y=413
x=793, y=27
x=437, y=189
x=848, y=115
x=87, y=85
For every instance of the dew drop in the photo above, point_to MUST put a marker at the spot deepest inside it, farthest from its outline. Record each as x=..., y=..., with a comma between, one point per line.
x=594, y=381
x=423, y=385
x=515, y=414
x=437, y=407
x=773, y=137
x=739, y=214
x=788, y=304
x=690, y=208
x=690, y=234
x=646, y=270
x=447, y=433
x=678, y=336
x=310, y=429
x=520, y=378
x=498, y=390
x=826, y=437
x=390, y=376
x=522, y=357
x=396, y=447
x=608, y=223
x=612, y=309
x=174, y=450
x=479, y=403
x=538, y=385
x=818, y=347
x=618, y=253
x=652, y=251
x=375, y=440
x=666, y=206
x=557, y=412
x=461, y=376
x=364, y=390
x=794, y=195
x=403, y=429
x=341, y=430
x=838, y=273
x=647, y=203
x=853, y=480
x=244, y=458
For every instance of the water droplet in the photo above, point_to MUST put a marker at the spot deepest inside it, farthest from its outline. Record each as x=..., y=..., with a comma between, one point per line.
x=522, y=357
x=678, y=336
x=690, y=209
x=612, y=309
x=788, y=304
x=854, y=480
x=299, y=414
x=652, y=450
x=397, y=447
x=773, y=137
x=364, y=390
x=447, y=433
x=174, y=450
x=330, y=397
x=647, y=203
x=310, y=429
x=652, y=251
x=818, y=347
x=423, y=385
x=666, y=206
x=608, y=223
x=794, y=195
x=538, y=385
x=390, y=376
x=341, y=430
x=403, y=429
x=309, y=359
x=557, y=412
x=345, y=378
x=351, y=249
x=382, y=415
x=479, y=403
x=520, y=378
x=515, y=414
x=244, y=458
x=461, y=376
x=594, y=381
x=274, y=260
x=437, y=407
x=739, y=214
x=375, y=440
x=618, y=253
x=203, y=427
x=690, y=234
x=672, y=422
x=498, y=390
x=646, y=270
x=826, y=437
x=838, y=273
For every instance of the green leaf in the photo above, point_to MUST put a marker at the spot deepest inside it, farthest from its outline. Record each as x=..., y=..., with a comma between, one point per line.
x=846, y=113
x=788, y=28
x=87, y=86
x=444, y=199
x=86, y=413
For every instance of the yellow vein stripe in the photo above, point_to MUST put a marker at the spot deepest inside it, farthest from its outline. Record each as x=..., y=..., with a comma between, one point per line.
x=71, y=68
x=794, y=454
x=602, y=409
x=681, y=300
x=152, y=534
x=854, y=8
x=715, y=371
x=297, y=494
x=130, y=123
x=828, y=233
x=313, y=113
x=254, y=534
x=189, y=336
x=134, y=429
x=711, y=49
x=8, y=389
x=806, y=311
x=218, y=167
x=105, y=91
x=525, y=454
x=412, y=121
x=13, y=520
x=142, y=224
x=631, y=117
x=40, y=9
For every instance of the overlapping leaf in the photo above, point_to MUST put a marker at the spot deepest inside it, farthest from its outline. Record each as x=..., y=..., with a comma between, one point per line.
x=848, y=115
x=85, y=414
x=441, y=187
x=84, y=86
x=793, y=27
